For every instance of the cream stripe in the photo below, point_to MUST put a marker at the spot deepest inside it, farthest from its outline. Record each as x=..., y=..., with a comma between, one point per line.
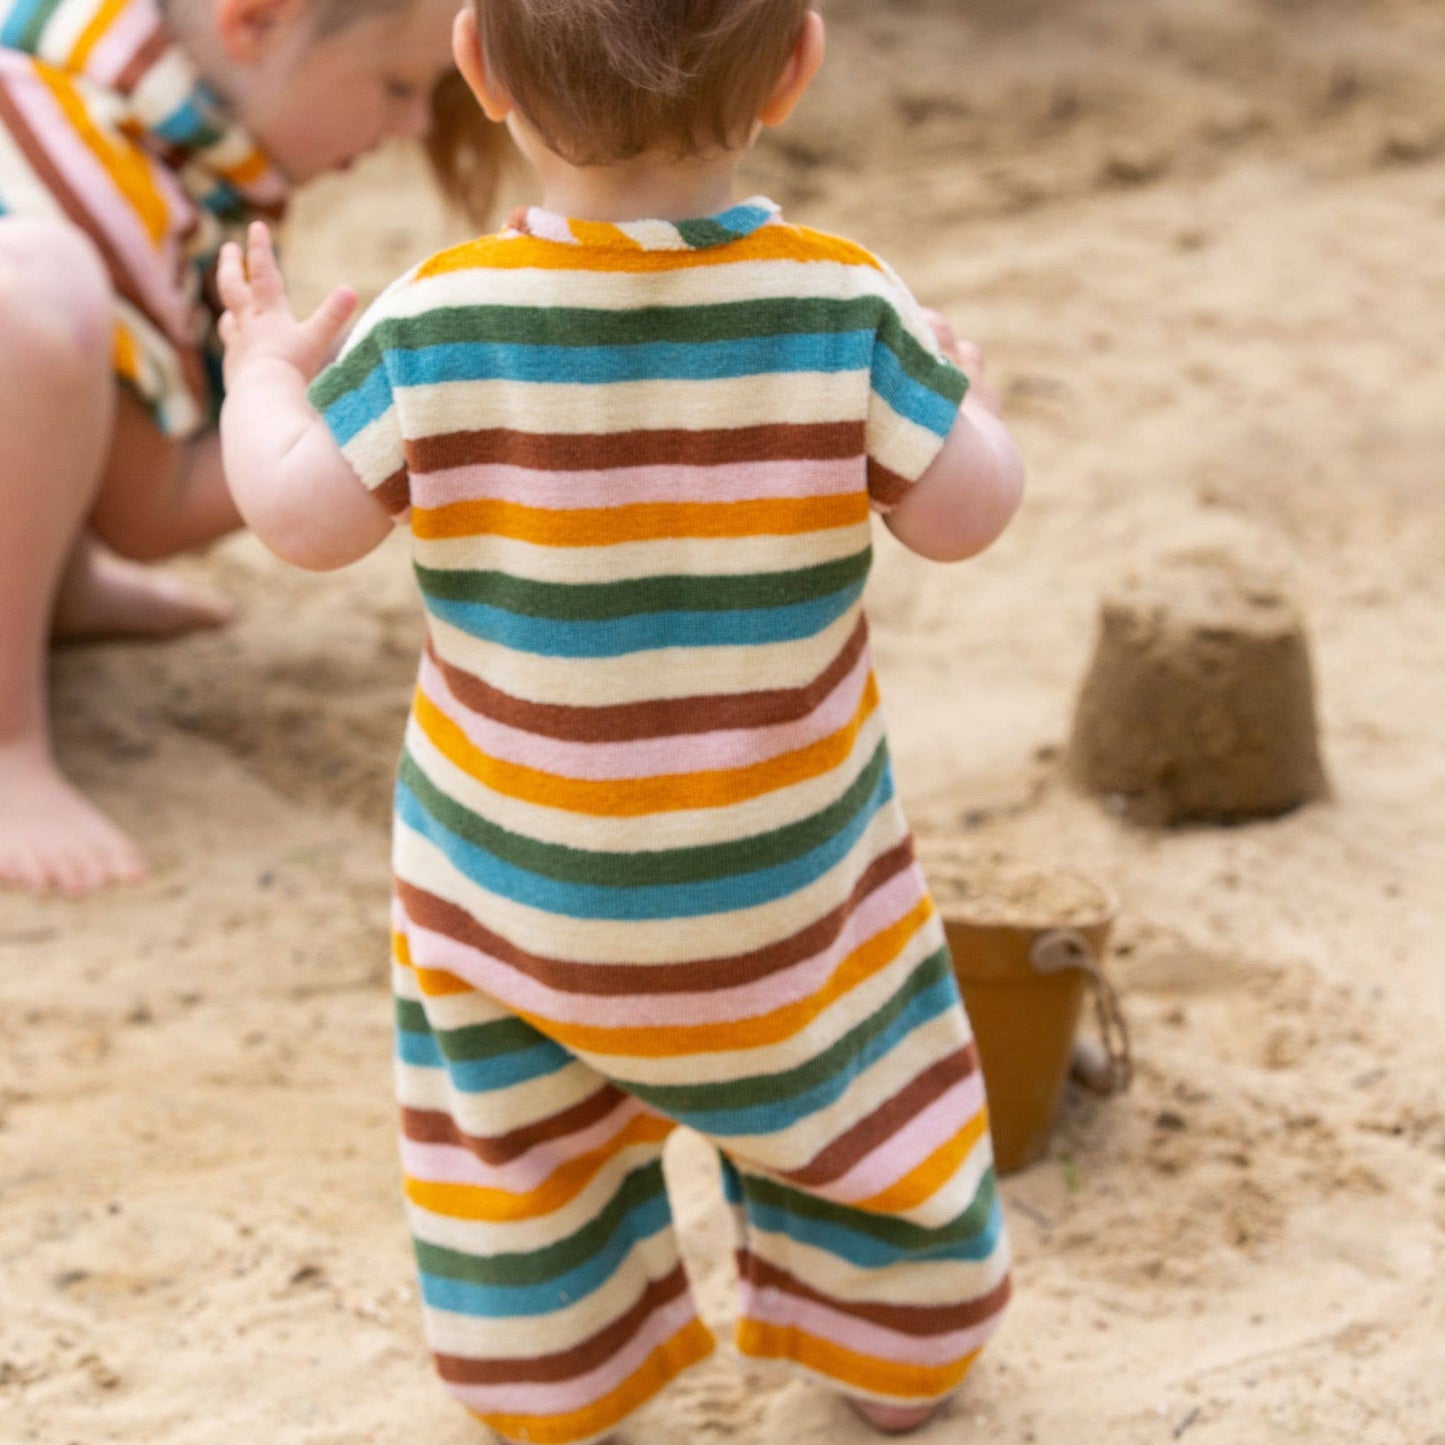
x=667, y=557
x=662, y=940
x=567, y=409
x=644, y=677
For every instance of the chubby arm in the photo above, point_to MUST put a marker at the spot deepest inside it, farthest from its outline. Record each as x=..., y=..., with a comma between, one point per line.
x=291, y=483
x=973, y=487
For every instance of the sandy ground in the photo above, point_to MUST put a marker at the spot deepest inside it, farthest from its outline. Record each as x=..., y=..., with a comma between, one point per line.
x=1202, y=243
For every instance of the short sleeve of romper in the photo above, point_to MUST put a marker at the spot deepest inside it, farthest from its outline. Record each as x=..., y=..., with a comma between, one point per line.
x=914, y=396
x=358, y=403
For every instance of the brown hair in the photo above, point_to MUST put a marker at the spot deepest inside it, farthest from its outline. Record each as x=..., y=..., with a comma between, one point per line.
x=606, y=80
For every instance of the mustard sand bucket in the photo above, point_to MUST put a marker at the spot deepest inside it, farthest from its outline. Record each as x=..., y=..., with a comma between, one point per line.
x=1028, y=946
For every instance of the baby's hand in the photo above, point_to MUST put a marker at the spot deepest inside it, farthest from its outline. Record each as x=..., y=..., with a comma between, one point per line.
x=257, y=325
x=967, y=358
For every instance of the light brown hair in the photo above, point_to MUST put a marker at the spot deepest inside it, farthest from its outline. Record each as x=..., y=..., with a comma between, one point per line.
x=606, y=80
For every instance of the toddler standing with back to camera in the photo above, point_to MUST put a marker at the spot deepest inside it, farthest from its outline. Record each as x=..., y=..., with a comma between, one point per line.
x=134, y=137
x=650, y=866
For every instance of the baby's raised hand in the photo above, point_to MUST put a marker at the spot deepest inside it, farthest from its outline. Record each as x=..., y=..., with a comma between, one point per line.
x=258, y=327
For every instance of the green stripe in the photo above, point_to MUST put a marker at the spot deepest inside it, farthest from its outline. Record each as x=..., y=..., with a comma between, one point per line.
x=703, y=232
x=538, y=1266
x=474, y=1041
x=599, y=601
x=684, y=1099
x=638, y=870
x=898, y=1232
x=29, y=40
x=937, y=373
x=590, y=326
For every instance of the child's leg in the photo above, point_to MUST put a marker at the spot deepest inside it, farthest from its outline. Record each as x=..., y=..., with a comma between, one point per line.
x=554, y=1299
x=56, y=405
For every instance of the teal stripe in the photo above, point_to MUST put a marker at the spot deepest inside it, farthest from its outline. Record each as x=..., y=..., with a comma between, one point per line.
x=900, y=1233
x=594, y=602
x=639, y=1189
x=683, y=1099
x=473, y=1041
x=667, y=867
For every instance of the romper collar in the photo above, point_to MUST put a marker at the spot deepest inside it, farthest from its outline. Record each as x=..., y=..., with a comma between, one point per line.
x=702, y=234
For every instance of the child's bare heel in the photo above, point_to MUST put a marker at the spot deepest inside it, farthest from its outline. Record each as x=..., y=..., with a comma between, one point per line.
x=894, y=1419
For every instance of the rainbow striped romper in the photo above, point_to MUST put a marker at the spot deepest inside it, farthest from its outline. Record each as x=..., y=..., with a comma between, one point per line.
x=105, y=124
x=650, y=866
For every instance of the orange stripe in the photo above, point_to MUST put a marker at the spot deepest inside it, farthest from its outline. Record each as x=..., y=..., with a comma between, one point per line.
x=642, y=797
x=929, y=1177
x=601, y=233
x=641, y=522
x=474, y=1201
x=768, y=243
x=94, y=31
x=127, y=165
x=904, y=1383
x=692, y=1343
x=782, y=1023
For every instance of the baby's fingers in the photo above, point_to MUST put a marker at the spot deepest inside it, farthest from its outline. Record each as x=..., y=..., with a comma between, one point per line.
x=231, y=278
x=266, y=280
x=320, y=330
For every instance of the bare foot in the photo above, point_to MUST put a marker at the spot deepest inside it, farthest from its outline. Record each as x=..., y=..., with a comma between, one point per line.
x=102, y=595
x=894, y=1419
x=51, y=839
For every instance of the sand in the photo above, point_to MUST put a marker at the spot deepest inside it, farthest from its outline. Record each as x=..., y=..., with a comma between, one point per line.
x=1202, y=245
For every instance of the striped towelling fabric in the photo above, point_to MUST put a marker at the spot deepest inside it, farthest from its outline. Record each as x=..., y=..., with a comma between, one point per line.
x=104, y=123
x=651, y=869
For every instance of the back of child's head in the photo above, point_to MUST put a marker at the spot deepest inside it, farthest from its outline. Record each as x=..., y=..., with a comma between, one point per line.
x=603, y=81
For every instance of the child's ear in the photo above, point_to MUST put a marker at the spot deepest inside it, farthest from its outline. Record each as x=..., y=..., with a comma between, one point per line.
x=471, y=60
x=803, y=65
x=248, y=29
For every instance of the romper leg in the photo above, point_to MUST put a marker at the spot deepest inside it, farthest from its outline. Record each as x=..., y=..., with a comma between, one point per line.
x=554, y=1299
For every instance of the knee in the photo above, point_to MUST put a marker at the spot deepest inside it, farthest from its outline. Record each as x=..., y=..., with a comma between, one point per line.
x=56, y=302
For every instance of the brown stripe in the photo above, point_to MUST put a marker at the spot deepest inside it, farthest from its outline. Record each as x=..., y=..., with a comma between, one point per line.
x=672, y=447
x=885, y=487
x=432, y=1126
x=395, y=492
x=885, y=1121
x=58, y=184
x=428, y=911
x=580, y=1359
x=150, y=50
x=906, y=1319
x=665, y=717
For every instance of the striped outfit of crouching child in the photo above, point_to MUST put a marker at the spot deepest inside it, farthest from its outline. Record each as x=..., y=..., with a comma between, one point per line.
x=650, y=867
x=105, y=124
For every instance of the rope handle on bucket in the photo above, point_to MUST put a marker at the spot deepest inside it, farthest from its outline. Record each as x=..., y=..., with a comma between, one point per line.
x=1061, y=949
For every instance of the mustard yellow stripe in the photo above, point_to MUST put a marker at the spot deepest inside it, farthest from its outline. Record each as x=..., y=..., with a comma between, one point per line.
x=601, y=233
x=768, y=243
x=434, y=983
x=642, y=522
x=782, y=1023
x=849, y=1368
x=94, y=31
x=473, y=1201
x=925, y=1181
x=641, y=797
x=127, y=355
x=248, y=170
x=126, y=164
x=692, y=1343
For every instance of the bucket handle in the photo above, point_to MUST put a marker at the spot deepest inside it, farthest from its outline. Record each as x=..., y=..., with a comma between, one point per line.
x=1061, y=949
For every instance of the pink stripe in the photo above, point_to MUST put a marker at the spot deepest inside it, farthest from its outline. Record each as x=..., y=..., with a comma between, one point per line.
x=652, y=757
x=149, y=269
x=451, y=1164
x=732, y=482
x=114, y=51
x=912, y=1144
x=515, y=990
x=583, y=1390
x=769, y=1306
